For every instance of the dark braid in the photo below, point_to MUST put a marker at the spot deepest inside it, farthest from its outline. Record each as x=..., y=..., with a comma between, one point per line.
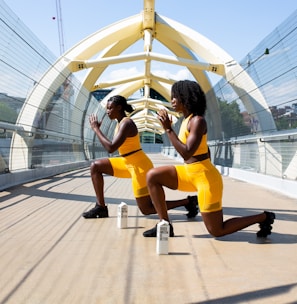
x=190, y=94
x=121, y=101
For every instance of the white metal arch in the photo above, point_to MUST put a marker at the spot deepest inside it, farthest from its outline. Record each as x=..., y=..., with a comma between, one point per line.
x=187, y=46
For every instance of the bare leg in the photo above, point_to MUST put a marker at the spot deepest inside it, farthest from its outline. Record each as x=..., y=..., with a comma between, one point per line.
x=217, y=227
x=147, y=207
x=156, y=179
x=98, y=168
x=103, y=166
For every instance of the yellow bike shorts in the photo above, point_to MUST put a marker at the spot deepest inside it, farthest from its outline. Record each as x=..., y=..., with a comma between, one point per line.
x=204, y=178
x=134, y=166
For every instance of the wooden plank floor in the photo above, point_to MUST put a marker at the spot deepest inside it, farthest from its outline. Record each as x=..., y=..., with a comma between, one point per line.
x=49, y=254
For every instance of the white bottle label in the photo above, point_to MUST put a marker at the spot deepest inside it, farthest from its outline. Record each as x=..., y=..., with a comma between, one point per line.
x=122, y=215
x=162, y=237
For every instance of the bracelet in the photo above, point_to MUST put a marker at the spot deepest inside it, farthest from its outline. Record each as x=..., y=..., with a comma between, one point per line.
x=168, y=130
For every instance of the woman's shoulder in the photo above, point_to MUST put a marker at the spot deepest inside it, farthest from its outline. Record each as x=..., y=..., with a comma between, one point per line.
x=125, y=120
x=198, y=121
x=127, y=123
x=197, y=118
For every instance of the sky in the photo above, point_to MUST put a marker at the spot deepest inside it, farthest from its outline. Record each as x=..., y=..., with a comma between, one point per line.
x=236, y=26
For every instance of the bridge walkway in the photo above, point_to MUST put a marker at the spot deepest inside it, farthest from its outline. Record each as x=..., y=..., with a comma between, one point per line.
x=50, y=254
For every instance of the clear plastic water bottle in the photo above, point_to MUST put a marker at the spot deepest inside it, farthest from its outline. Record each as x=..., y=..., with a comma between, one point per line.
x=122, y=215
x=162, y=237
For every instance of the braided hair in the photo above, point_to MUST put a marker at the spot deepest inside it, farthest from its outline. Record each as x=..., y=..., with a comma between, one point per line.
x=121, y=101
x=190, y=94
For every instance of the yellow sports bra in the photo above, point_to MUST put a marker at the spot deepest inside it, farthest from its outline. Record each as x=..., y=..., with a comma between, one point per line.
x=130, y=144
x=184, y=133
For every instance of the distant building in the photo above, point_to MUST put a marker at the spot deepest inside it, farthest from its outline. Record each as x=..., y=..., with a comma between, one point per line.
x=100, y=94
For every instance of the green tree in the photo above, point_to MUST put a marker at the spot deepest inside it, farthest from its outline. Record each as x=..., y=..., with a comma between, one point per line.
x=7, y=114
x=232, y=120
x=282, y=123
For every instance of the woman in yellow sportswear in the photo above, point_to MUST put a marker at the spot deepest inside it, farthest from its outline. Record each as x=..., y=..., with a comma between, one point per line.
x=197, y=173
x=132, y=163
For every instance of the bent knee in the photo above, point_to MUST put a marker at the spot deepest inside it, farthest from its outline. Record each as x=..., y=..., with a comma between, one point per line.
x=150, y=175
x=215, y=232
x=96, y=165
x=145, y=205
x=93, y=165
x=146, y=211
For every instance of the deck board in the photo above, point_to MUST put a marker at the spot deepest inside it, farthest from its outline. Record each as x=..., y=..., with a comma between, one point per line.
x=50, y=254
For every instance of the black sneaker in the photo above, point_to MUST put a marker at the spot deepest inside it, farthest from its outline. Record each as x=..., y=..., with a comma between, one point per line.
x=96, y=212
x=265, y=226
x=153, y=232
x=192, y=206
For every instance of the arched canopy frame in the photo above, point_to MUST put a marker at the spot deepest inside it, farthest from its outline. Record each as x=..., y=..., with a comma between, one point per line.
x=189, y=49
